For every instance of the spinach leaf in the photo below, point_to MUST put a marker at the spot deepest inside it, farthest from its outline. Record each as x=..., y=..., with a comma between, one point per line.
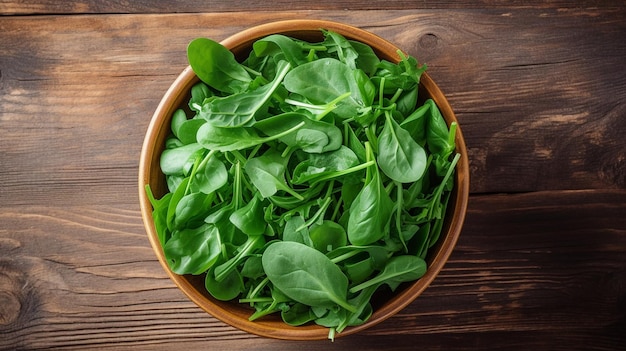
x=277, y=304
x=250, y=218
x=370, y=211
x=366, y=59
x=326, y=166
x=305, y=275
x=282, y=48
x=296, y=230
x=174, y=161
x=362, y=312
x=399, y=156
x=415, y=124
x=267, y=173
x=159, y=214
x=192, y=208
x=440, y=140
x=193, y=251
x=327, y=136
x=240, y=109
x=218, y=138
x=406, y=102
x=322, y=81
x=341, y=47
x=226, y=289
x=178, y=118
x=399, y=269
x=298, y=314
x=211, y=175
x=216, y=66
x=199, y=93
x=328, y=236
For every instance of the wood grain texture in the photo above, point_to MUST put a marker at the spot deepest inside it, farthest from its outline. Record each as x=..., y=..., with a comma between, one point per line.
x=30, y=7
x=525, y=272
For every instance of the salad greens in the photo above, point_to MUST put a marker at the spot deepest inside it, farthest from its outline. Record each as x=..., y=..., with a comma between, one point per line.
x=304, y=179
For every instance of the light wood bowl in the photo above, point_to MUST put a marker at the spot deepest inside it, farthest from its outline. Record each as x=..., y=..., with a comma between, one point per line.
x=234, y=313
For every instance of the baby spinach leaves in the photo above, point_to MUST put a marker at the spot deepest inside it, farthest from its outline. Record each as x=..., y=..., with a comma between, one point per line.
x=305, y=178
x=239, y=109
x=322, y=81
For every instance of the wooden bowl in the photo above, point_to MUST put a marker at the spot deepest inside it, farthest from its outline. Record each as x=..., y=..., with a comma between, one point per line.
x=237, y=314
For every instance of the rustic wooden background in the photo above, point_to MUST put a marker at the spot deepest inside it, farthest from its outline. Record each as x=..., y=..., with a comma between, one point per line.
x=539, y=88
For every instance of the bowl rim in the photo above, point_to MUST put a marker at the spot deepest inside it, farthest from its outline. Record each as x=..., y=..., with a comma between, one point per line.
x=172, y=99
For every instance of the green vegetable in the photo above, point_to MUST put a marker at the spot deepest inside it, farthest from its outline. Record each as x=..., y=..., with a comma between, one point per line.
x=216, y=66
x=399, y=269
x=399, y=156
x=304, y=178
x=239, y=109
x=267, y=173
x=370, y=211
x=305, y=275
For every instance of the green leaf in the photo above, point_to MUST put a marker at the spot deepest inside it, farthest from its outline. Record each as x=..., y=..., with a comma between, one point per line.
x=173, y=161
x=399, y=156
x=214, y=137
x=250, y=247
x=370, y=214
x=199, y=93
x=296, y=231
x=415, y=124
x=250, y=218
x=322, y=81
x=298, y=314
x=312, y=137
x=281, y=47
x=439, y=138
x=216, y=66
x=267, y=173
x=193, y=251
x=399, y=269
x=159, y=214
x=341, y=47
x=240, y=109
x=305, y=275
x=367, y=59
x=327, y=165
x=210, y=176
x=328, y=236
x=226, y=289
x=192, y=208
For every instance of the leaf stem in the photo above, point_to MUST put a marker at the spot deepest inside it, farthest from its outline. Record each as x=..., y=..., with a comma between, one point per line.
x=317, y=215
x=399, y=207
x=253, y=293
x=452, y=133
x=344, y=172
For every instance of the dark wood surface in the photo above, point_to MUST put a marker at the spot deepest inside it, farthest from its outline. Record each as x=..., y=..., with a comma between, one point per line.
x=539, y=88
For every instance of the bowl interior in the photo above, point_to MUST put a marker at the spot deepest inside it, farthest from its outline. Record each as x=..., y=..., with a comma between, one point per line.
x=385, y=304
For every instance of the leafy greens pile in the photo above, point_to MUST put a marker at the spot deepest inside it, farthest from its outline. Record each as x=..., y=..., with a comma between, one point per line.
x=305, y=178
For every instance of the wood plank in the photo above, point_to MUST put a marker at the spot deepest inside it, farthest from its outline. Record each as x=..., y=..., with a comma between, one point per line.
x=542, y=270
x=30, y=7
x=536, y=91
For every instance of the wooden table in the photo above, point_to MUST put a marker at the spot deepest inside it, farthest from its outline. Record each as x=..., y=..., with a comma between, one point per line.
x=539, y=88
